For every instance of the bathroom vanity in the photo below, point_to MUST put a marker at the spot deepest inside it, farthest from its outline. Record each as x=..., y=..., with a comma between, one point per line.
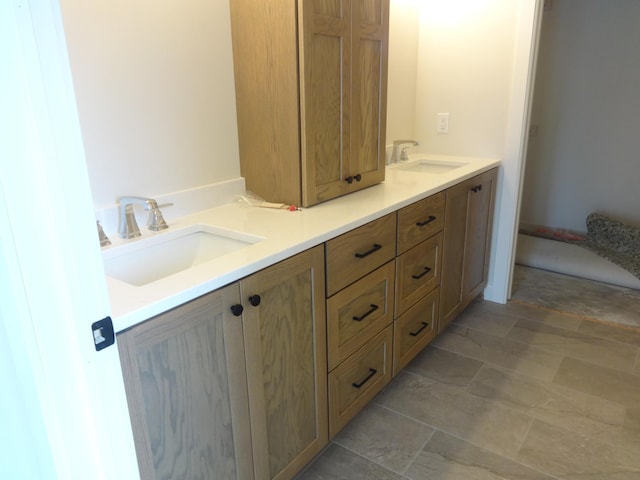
x=244, y=366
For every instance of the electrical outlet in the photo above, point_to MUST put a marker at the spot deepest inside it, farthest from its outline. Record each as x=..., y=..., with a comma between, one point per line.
x=443, y=123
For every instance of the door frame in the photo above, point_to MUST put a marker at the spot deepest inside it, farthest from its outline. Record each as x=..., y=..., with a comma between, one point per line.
x=511, y=175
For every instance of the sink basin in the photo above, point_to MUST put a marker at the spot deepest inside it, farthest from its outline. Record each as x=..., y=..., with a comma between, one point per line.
x=431, y=166
x=148, y=260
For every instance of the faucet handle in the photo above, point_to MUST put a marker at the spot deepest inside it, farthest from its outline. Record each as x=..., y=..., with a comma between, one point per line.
x=104, y=240
x=402, y=155
x=156, y=221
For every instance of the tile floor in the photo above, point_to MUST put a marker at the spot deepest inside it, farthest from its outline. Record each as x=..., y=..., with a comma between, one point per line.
x=517, y=392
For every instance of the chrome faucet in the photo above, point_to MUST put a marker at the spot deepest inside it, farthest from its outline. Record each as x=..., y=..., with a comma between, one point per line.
x=128, y=227
x=403, y=156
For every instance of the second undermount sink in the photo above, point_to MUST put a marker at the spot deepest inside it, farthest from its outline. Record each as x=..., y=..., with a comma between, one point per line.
x=431, y=166
x=148, y=260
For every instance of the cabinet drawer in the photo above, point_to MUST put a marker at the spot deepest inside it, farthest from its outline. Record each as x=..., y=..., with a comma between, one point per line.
x=417, y=272
x=358, y=379
x=414, y=329
x=419, y=221
x=357, y=313
x=352, y=255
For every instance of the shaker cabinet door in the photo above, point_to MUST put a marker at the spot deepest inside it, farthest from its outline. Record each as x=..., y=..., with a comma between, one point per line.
x=185, y=379
x=285, y=340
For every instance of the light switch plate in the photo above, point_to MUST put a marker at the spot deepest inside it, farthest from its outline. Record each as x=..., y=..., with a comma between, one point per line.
x=443, y=123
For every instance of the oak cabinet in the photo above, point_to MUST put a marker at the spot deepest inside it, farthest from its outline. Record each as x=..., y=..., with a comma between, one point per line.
x=360, y=304
x=311, y=88
x=285, y=344
x=233, y=384
x=359, y=378
x=185, y=379
x=414, y=330
x=467, y=239
x=249, y=381
x=418, y=272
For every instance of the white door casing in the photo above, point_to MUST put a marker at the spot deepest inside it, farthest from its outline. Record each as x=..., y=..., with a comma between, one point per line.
x=52, y=276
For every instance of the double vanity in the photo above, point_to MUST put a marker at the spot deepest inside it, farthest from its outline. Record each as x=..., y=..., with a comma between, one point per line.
x=250, y=336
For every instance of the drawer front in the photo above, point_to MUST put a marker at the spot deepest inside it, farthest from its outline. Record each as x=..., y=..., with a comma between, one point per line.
x=419, y=221
x=357, y=313
x=358, y=379
x=414, y=330
x=417, y=272
x=352, y=255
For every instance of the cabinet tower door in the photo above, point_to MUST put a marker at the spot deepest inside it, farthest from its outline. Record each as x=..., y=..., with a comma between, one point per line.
x=325, y=97
x=370, y=39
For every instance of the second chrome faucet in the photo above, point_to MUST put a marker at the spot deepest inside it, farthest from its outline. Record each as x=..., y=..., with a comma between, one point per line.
x=128, y=227
x=399, y=152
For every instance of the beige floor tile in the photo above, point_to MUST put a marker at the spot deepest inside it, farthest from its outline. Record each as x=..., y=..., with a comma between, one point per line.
x=384, y=437
x=571, y=456
x=607, y=383
x=481, y=422
x=337, y=463
x=444, y=366
x=568, y=321
x=448, y=458
x=618, y=333
x=575, y=344
x=502, y=352
x=570, y=409
x=486, y=317
x=583, y=297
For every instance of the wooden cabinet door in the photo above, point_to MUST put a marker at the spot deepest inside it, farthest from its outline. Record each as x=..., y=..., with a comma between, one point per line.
x=185, y=379
x=455, y=231
x=370, y=39
x=285, y=344
x=479, y=223
x=325, y=94
x=343, y=63
x=467, y=240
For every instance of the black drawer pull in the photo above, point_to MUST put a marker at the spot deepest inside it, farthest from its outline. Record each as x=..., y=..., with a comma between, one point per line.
x=419, y=276
x=372, y=372
x=349, y=179
x=417, y=332
x=358, y=177
x=476, y=189
x=375, y=248
x=237, y=310
x=426, y=222
x=373, y=309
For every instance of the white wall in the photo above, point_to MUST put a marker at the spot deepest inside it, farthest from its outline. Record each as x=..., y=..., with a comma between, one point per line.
x=465, y=68
x=404, y=33
x=585, y=157
x=474, y=62
x=155, y=93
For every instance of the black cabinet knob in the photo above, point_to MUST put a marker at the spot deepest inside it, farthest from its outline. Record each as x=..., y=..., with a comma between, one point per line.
x=358, y=177
x=254, y=300
x=349, y=179
x=237, y=310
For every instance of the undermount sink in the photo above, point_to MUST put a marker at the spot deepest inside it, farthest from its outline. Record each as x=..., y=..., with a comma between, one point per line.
x=148, y=260
x=431, y=166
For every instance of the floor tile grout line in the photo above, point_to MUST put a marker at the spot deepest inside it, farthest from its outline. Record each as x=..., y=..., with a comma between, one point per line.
x=369, y=460
x=419, y=451
x=544, y=347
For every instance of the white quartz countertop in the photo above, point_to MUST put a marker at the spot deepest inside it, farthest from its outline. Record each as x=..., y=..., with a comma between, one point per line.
x=285, y=233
